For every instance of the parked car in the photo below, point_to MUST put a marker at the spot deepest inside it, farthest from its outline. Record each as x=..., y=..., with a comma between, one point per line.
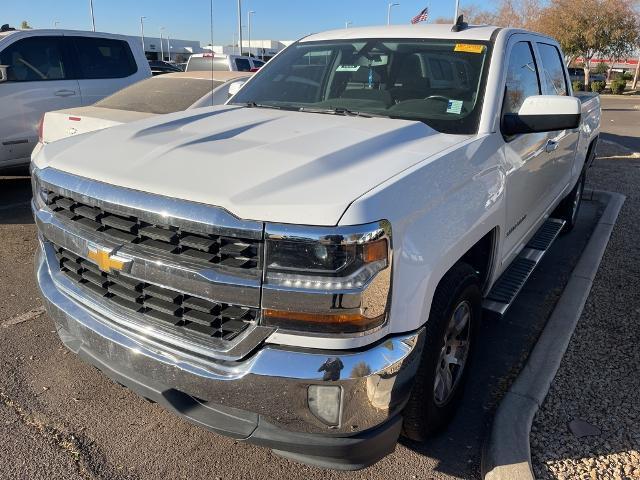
x=46, y=70
x=306, y=267
x=168, y=93
x=577, y=75
x=158, y=67
x=222, y=63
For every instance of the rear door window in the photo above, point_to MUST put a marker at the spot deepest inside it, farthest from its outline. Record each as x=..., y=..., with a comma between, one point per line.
x=243, y=64
x=522, y=78
x=35, y=59
x=104, y=58
x=554, y=82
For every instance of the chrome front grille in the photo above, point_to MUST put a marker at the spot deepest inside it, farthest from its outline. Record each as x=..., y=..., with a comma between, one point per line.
x=158, y=304
x=192, y=273
x=225, y=251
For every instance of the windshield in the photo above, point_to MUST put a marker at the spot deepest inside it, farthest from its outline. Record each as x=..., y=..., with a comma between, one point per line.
x=437, y=82
x=159, y=95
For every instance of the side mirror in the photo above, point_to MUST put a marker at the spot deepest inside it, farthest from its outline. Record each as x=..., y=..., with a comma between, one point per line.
x=235, y=87
x=3, y=73
x=543, y=113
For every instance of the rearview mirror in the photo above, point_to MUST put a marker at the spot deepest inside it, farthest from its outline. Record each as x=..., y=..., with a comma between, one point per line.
x=235, y=87
x=3, y=73
x=543, y=113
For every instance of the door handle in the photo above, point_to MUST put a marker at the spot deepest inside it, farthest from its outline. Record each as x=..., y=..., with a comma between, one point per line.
x=551, y=146
x=65, y=93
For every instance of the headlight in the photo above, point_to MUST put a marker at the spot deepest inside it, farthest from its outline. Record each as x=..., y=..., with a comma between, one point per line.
x=327, y=279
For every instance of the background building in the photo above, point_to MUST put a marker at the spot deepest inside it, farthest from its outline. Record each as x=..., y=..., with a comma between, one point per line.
x=259, y=48
x=174, y=49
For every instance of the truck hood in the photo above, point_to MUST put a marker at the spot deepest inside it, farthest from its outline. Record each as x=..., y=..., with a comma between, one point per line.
x=259, y=164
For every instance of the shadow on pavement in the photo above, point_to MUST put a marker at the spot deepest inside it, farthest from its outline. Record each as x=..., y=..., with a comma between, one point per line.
x=15, y=197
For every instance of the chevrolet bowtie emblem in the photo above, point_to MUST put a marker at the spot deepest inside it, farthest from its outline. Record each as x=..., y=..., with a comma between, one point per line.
x=105, y=260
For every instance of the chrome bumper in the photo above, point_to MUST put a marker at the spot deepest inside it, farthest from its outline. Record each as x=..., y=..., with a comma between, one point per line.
x=270, y=385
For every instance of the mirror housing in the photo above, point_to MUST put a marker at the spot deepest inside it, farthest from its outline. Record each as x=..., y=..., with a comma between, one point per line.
x=3, y=73
x=543, y=113
x=235, y=87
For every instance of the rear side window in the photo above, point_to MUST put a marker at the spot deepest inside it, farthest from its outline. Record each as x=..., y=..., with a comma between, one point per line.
x=554, y=82
x=104, y=58
x=257, y=63
x=35, y=59
x=199, y=64
x=522, y=78
x=243, y=65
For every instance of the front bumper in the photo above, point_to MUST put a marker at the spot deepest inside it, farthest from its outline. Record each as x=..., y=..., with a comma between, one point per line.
x=261, y=399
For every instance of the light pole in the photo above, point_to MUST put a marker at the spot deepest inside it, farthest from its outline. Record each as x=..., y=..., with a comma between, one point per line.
x=93, y=20
x=347, y=24
x=249, y=13
x=389, y=7
x=240, y=25
x=142, y=33
x=161, y=45
x=169, y=46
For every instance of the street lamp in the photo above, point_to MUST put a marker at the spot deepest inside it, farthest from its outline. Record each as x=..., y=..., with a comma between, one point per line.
x=240, y=25
x=249, y=13
x=142, y=32
x=161, y=44
x=347, y=24
x=169, y=46
x=389, y=7
x=93, y=20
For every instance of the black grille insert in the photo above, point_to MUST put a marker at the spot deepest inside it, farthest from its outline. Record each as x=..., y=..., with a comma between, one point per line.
x=202, y=248
x=204, y=317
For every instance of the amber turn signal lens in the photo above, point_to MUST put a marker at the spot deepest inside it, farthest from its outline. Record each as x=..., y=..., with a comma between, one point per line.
x=343, y=322
x=375, y=251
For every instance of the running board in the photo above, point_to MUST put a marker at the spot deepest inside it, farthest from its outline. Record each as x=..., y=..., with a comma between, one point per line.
x=507, y=287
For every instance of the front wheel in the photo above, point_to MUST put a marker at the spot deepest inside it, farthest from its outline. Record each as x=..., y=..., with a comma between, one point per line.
x=449, y=340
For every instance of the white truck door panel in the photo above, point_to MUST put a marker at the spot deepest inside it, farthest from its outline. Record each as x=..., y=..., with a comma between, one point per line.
x=528, y=164
x=37, y=82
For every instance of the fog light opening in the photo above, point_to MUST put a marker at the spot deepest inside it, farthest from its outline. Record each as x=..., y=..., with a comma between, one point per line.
x=325, y=402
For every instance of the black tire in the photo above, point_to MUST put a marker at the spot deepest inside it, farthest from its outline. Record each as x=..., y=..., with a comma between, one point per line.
x=423, y=415
x=570, y=206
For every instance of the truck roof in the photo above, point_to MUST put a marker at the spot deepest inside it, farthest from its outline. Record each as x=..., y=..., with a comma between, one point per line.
x=433, y=30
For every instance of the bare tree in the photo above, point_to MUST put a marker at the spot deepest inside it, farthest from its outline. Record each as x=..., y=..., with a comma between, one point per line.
x=586, y=28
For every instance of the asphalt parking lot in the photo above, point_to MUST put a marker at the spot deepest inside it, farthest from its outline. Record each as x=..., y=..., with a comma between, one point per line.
x=61, y=418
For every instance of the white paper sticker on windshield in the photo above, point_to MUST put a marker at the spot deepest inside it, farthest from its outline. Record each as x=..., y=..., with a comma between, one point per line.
x=347, y=68
x=454, y=106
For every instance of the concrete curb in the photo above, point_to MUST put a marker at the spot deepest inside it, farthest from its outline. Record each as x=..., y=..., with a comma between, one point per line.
x=507, y=455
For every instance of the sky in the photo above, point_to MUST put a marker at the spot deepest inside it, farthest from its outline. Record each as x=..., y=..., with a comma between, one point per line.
x=189, y=19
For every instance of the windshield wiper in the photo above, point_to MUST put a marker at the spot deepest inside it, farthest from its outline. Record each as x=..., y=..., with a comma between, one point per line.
x=342, y=111
x=260, y=105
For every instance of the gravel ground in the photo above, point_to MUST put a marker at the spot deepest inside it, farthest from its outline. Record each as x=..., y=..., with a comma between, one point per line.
x=598, y=382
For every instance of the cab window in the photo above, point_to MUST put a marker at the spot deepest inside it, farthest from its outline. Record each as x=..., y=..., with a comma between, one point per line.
x=522, y=78
x=554, y=82
x=35, y=59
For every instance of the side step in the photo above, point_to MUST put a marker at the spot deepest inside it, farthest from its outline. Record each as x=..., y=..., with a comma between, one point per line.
x=507, y=287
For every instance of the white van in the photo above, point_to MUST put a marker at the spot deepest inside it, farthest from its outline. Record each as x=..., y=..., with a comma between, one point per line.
x=43, y=70
x=222, y=63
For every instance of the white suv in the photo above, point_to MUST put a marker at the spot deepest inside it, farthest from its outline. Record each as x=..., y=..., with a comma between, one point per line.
x=43, y=70
x=222, y=63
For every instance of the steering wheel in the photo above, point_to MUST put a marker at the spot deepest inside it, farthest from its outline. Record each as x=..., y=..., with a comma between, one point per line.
x=437, y=97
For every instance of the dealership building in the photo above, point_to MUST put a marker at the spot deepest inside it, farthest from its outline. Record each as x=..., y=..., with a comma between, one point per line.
x=172, y=48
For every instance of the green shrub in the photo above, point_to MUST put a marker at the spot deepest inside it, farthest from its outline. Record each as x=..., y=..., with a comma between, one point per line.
x=627, y=76
x=601, y=68
x=577, y=85
x=598, y=87
x=617, y=86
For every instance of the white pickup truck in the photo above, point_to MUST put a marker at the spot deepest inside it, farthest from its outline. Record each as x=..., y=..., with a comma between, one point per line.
x=305, y=268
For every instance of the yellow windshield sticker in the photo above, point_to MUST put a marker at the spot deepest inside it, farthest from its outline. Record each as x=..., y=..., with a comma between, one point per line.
x=468, y=48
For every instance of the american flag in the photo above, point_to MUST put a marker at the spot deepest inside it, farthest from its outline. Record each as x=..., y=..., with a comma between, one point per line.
x=421, y=17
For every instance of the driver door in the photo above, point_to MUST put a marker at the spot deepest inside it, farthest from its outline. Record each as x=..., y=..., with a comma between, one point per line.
x=39, y=79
